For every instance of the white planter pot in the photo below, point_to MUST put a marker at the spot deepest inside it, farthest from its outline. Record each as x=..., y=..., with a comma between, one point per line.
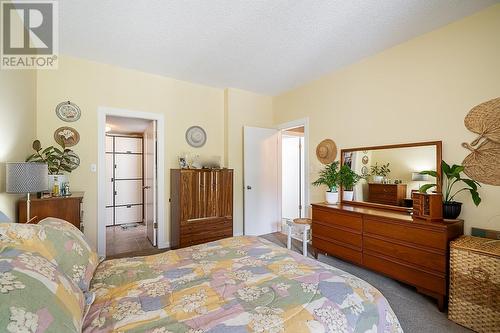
x=332, y=197
x=60, y=179
x=347, y=195
x=378, y=179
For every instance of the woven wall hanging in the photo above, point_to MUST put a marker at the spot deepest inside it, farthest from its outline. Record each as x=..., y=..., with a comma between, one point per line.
x=483, y=163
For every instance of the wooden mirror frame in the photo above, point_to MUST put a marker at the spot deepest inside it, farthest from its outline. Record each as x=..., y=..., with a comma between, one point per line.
x=439, y=159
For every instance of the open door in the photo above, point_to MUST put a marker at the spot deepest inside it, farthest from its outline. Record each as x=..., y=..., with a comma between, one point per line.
x=150, y=190
x=260, y=162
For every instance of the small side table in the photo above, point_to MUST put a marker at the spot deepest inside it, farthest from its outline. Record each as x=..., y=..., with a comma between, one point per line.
x=303, y=226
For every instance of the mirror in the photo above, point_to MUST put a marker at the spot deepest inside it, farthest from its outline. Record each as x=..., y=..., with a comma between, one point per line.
x=390, y=173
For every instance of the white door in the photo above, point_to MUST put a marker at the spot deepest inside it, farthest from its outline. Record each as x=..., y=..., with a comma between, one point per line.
x=292, y=180
x=260, y=162
x=150, y=189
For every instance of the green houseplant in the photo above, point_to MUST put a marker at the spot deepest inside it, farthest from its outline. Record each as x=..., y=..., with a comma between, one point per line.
x=329, y=176
x=59, y=160
x=452, y=177
x=348, y=179
x=379, y=172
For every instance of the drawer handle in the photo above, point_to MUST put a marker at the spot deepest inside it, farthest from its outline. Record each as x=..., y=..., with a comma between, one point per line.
x=480, y=275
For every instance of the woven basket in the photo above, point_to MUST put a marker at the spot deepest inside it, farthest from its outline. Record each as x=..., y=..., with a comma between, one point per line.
x=475, y=283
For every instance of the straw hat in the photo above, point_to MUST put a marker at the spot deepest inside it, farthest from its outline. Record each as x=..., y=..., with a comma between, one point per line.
x=326, y=151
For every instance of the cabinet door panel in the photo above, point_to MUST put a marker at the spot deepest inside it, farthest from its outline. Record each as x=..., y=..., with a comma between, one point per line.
x=128, y=166
x=128, y=214
x=109, y=216
x=128, y=192
x=109, y=144
x=128, y=145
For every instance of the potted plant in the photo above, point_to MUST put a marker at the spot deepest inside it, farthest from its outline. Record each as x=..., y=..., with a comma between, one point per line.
x=329, y=176
x=452, y=208
x=58, y=161
x=378, y=173
x=347, y=179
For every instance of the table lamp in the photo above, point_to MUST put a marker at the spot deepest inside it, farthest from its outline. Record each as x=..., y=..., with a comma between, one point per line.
x=418, y=177
x=25, y=178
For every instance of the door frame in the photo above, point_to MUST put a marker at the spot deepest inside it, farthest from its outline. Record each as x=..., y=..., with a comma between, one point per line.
x=295, y=123
x=102, y=112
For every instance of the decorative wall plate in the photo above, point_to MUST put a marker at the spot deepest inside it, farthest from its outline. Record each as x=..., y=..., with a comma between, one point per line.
x=66, y=136
x=68, y=111
x=364, y=170
x=196, y=136
x=364, y=160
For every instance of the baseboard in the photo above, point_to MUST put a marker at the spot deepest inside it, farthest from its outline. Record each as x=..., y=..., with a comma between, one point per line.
x=236, y=234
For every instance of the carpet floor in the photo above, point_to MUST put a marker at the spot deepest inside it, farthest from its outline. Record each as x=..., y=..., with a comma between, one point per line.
x=416, y=313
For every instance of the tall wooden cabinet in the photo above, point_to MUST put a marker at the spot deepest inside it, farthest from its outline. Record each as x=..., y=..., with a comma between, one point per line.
x=201, y=206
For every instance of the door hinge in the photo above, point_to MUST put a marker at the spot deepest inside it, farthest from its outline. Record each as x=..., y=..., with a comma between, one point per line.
x=155, y=225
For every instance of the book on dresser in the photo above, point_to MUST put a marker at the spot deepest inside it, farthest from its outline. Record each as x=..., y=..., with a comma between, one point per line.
x=390, y=242
x=201, y=206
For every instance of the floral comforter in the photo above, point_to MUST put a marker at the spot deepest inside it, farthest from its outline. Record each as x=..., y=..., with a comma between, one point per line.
x=236, y=285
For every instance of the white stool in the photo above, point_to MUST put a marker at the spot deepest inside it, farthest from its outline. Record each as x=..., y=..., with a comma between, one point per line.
x=303, y=226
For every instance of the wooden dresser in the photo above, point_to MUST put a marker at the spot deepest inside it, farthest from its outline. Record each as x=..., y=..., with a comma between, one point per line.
x=201, y=207
x=66, y=208
x=387, y=194
x=389, y=242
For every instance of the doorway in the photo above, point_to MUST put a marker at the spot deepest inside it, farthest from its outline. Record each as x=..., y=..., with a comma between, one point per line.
x=274, y=183
x=130, y=185
x=292, y=173
x=131, y=166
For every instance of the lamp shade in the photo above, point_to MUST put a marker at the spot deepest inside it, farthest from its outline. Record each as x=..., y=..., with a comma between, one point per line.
x=4, y=218
x=418, y=177
x=26, y=177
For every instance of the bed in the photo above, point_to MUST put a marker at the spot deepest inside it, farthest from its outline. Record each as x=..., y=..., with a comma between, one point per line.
x=236, y=285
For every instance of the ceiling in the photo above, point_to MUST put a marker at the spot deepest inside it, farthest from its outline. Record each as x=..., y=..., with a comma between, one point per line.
x=122, y=125
x=263, y=46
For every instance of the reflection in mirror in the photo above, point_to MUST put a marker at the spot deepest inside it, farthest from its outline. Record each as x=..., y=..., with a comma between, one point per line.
x=390, y=175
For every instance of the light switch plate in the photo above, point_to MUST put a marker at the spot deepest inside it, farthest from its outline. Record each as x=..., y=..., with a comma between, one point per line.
x=93, y=167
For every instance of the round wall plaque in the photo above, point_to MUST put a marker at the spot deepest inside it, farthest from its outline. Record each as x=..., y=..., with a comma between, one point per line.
x=68, y=111
x=196, y=136
x=66, y=136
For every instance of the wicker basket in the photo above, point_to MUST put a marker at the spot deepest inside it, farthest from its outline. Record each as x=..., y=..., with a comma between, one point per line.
x=475, y=283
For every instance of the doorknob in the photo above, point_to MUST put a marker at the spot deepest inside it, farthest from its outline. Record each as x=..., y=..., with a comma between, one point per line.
x=249, y=187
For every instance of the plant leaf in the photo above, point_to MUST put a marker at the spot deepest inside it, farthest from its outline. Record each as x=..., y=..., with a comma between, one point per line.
x=426, y=187
x=475, y=197
x=430, y=173
x=446, y=168
x=471, y=183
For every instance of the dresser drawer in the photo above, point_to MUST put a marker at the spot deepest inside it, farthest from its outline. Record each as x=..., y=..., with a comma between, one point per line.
x=326, y=232
x=341, y=220
x=383, y=188
x=425, y=259
x=404, y=273
x=406, y=233
x=337, y=250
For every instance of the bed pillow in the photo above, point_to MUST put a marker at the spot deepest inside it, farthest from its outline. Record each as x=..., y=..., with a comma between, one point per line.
x=70, y=250
x=35, y=296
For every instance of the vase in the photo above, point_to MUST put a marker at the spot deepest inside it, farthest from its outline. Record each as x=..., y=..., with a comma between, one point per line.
x=451, y=209
x=348, y=195
x=378, y=179
x=332, y=197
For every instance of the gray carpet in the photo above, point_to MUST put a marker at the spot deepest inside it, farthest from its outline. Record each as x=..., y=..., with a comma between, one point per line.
x=416, y=313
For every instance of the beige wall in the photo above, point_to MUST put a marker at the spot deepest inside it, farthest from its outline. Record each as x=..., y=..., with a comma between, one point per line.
x=243, y=108
x=91, y=85
x=17, y=126
x=417, y=91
